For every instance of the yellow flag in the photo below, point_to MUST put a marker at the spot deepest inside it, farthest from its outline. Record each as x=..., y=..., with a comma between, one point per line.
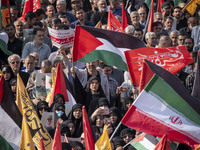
x=26, y=138
x=26, y=108
x=98, y=25
x=103, y=142
x=198, y=148
x=191, y=6
x=0, y=73
x=53, y=84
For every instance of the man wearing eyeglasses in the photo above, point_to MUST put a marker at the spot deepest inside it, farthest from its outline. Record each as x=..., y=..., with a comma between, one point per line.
x=14, y=62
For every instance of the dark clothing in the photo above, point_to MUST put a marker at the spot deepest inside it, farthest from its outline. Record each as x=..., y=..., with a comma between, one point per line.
x=182, y=23
x=87, y=23
x=24, y=76
x=97, y=16
x=15, y=46
x=182, y=76
x=89, y=14
x=185, y=31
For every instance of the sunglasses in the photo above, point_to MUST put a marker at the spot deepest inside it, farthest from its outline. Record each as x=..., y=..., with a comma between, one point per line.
x=17, y=62
x=41, y=108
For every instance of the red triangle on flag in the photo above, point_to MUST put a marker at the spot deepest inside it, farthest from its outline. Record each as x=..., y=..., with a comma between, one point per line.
x=42, y=144
x=86, y=42
x=57, y=138
x=60, y=86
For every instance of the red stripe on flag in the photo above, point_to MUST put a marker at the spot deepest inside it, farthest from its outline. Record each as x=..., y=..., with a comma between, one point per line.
x=141, y=122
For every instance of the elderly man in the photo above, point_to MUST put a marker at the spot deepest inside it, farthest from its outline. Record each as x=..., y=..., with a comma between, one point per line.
x=143, y=15
x=14, y=63
x=29, y=64
x=151, y=39
x=174, y=38
x=136, y=20
x=37, y=46
x=101, y=15
x=191, y=22
x=19, y=26
x=165, y=42
x=158, y=17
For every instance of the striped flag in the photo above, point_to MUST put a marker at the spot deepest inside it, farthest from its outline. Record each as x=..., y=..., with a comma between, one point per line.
x=165, y=107
x=144, y=142
x=5, y=14
x=10, y=118
x=124, y=18
x=108, y=46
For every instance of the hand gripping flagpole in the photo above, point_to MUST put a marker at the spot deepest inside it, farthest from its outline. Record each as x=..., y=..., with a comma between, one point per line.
x=115, y=131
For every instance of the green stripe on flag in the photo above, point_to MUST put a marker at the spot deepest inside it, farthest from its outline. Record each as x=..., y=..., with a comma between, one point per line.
x=3, y=47
x=165, y=93
x=109, y=58
x=138, y=146
x=4, y=145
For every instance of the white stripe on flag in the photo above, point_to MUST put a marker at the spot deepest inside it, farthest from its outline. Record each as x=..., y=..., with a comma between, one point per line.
x=147, y=144
x=9, y=130
x=155, y=109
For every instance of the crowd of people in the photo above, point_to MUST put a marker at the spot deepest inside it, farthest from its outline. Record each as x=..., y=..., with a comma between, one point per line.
x=105, y=91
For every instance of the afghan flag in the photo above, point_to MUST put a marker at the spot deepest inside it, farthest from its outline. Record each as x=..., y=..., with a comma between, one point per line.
x=165, y=107
x=5, y=14
x=10, y=118
x=144, y=142
x=172, y=59
x=92, y=44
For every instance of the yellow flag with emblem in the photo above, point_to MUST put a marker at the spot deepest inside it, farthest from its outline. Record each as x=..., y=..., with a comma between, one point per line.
x=26, y=138
x=103, y=142
x=191, y=6
x=26, y=108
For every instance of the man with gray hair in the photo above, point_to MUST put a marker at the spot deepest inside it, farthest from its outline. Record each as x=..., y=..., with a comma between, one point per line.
x=165, y=42
x=14, y=63
x=61, y=7
x=174, y=37
x=130, y=30
x=151, y=39
x=101, y=14
x=158, y=17
x=136, y=20
x=19, y=26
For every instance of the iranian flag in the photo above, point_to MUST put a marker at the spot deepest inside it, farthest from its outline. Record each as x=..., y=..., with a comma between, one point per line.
x=10, y=118
x=92, y=44
x=165, y=107
x=172, y=59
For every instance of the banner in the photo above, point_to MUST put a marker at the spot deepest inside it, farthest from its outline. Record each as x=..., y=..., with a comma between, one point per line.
x=172, y=59
x=60, y=38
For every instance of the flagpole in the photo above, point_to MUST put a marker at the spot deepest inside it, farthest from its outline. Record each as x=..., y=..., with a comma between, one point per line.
x=115, y=131
x=187, y=5
x=132, y=140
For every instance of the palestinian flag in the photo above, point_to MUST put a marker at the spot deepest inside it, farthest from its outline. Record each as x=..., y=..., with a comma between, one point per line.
x=92, y=44
x=165, y=107
x=144, y=142
x=5, y=14
x=10, y=119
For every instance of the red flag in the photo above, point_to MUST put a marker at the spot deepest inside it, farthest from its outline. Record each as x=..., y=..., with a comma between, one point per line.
x=151, y=17
x=172, y=59
x=57, y=138
x=42, y=144
x=60, y=86
x=160, y=2
x=146, y=75
x=163, y=144
x=30, y=5
x=89, y=141
x=124, y=18
x=113, y=24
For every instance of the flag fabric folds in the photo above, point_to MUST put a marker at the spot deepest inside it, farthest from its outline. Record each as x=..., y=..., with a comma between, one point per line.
x=10, y=118
x=151, y=16
x=144, y=142
x=89, y=140
x=57, y=138
x=191, y=6
x=103, y=142
x=113, y=24
x=124, y=18
x=172, y=59
x=5, y=13
x=92, y=44
x=42, y=144
x=26, y=138
x=27, y=109
x=159, y=6
x=163, y=144
x=157, y=110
